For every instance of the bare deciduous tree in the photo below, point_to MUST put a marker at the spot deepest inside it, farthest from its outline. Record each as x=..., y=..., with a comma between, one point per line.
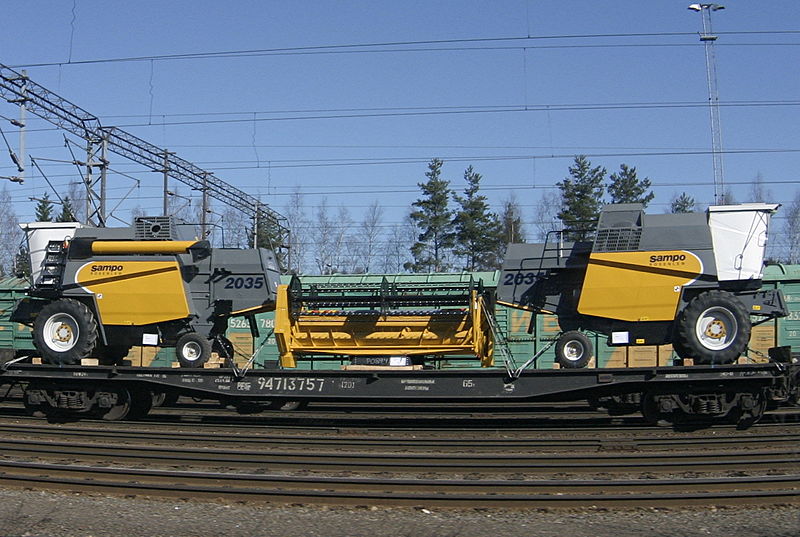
x=758, y=193
x=77, y=195
x=329, y=236
x=236, y=225
x=299, y=233
x=10, y=233
x=545, y=214
x=367, y=239
x=397, y=248
x=791, y=231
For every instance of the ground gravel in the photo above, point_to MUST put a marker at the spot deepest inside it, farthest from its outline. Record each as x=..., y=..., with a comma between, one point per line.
x=32, y=513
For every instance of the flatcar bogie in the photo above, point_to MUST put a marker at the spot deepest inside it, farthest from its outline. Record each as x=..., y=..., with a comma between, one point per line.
x=108, y=401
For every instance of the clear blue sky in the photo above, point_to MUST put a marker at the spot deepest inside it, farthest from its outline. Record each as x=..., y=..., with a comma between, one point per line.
x=456, y=87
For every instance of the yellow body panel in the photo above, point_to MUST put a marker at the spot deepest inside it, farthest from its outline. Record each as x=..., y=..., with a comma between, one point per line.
x=459, y=332
x=135, y=293
x=637, y=286
x=140, y=247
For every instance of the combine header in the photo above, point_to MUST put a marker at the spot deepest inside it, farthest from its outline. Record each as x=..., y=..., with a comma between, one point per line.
x=384, y=322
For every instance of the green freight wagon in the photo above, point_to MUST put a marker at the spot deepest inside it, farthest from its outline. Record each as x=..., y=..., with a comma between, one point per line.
x=513, y=323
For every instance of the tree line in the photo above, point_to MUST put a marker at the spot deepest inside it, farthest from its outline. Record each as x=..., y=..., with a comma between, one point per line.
x=447, y=228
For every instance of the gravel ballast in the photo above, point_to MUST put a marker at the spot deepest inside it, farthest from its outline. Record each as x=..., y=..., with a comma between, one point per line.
x=32, y=513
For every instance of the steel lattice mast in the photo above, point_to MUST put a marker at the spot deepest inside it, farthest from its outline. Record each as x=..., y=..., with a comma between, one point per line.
x=18, y=89
x=708, y=38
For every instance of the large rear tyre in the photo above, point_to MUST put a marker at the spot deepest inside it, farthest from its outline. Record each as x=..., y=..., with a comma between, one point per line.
x=573, y=350
x=64, y=332
x=713, y=329
x=192, y=350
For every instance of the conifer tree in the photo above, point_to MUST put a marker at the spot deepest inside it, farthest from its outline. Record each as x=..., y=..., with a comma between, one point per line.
x=626, y=187
x=433, y=217
x=512, y=229
x=682, y=204
x=477, y=229
x=44, y=209
x=67, y=212
x=581, y=198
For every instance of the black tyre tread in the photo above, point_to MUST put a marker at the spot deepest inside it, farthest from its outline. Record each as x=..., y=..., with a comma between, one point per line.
x=205, y=352
x=687, y=345
x=87, y=337
x=573, y=335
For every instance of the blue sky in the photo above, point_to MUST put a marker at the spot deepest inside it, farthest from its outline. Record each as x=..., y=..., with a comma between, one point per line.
x=448, y=79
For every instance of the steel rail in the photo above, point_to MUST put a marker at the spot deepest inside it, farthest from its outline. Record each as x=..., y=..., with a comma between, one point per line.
x=503, y=463
x=415, y=443
x=440, y=492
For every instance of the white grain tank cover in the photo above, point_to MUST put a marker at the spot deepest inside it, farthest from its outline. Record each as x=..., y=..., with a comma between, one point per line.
x=40, y=234
x=739, y=237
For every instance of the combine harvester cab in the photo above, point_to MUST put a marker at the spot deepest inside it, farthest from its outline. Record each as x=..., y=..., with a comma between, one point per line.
x=100, y=291
x=382, y=323
x=692, y=280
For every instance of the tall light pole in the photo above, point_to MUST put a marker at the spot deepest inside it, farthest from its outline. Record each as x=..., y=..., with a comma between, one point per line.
x=708, y=39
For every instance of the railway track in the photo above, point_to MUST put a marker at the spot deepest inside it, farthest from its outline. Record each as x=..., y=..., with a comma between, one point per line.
x=607, y=466
x=396, y=491
x=402, y=462
x=476, y=441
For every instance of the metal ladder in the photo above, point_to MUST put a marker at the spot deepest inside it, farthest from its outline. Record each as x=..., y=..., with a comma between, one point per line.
x=53, y=266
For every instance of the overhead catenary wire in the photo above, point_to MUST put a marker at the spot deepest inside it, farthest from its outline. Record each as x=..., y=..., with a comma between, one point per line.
x=412, y=44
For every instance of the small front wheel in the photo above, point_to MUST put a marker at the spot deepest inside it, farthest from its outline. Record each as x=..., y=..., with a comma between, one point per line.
x=192, y=350
x=573, y=350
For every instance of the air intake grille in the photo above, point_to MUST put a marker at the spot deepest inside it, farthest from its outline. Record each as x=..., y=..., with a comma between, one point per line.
x=617, y=240
x=154, y=228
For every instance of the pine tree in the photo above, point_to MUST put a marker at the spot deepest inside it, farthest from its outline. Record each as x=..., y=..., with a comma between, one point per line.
x=682, y=204
x=434, y=218
x=67, y=212
x=581, y=198
x=266, y=235
x=22, y=262
x=626, y=187
x=477, y=229
x=44, y=209
x=512, y=229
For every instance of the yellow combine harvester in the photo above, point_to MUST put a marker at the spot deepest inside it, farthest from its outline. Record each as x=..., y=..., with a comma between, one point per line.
x=691, y=280
x=99, y=291
x=384, y=323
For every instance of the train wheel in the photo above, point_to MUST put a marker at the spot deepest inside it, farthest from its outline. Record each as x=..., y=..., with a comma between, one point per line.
x=117, y=405
x=193, y=350
x=653, y=414
x=573, y=350
x=64, y=332
x=141, y=403
x=287, y=406
x=164, y=398
x=714, y=328
x=749, y=411
x=35, y=409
